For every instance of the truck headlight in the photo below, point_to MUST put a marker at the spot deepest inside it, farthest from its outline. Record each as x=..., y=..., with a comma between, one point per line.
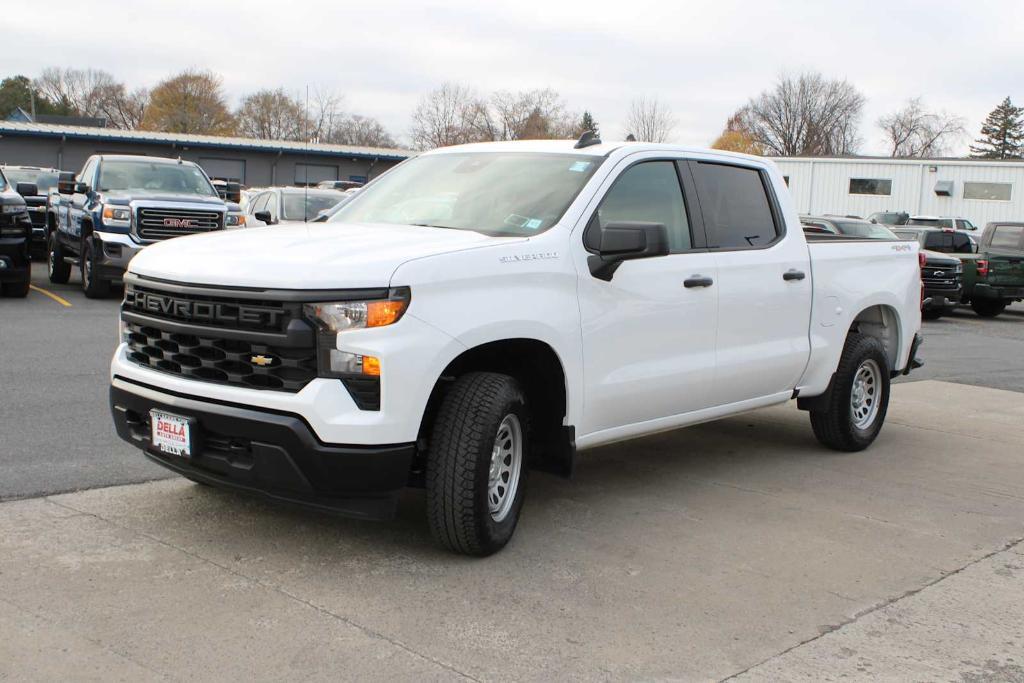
x=335, y=317
x=234, y=220
x=118, y=216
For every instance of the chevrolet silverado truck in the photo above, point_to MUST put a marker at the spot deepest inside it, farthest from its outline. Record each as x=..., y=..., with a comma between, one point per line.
x=45, y=180
x=479, y=311
x=119, y=204
x=15, y=237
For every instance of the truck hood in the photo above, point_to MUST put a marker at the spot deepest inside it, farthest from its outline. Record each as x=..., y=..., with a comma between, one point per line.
x=138, y=196
x=304, y=256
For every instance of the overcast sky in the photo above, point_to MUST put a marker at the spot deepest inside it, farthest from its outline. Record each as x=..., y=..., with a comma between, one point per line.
x=703, y=58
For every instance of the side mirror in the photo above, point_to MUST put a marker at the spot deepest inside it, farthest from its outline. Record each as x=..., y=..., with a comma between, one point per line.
x=264, y=217
x=66, y=182
x=622, y=241
x=27, y=189
x=875, y=221
x=81, y=188
x=233, y=192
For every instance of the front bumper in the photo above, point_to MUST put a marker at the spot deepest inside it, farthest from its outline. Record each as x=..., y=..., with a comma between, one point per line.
x=115, y=251
x=269, y=453
x=14, y=259
x=941, y=298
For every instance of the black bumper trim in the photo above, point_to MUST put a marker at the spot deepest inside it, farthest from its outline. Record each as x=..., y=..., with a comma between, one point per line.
x=272, y=454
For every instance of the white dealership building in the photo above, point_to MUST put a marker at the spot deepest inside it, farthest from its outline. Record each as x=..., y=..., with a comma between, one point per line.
x=979, y=190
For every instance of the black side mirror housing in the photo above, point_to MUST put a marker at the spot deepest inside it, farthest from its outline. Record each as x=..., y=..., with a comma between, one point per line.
x=27, y=189
x=233, y=192
x=81, y=188
x=264, y=217
x=66, y=182
x=622, y=241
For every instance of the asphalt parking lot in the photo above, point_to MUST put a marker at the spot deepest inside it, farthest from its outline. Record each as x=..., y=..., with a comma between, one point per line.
x=738, y=548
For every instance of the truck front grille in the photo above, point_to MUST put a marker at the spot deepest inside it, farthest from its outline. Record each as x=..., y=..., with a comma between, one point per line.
x=223, y=361
x=941, y=277
x=162, y=223
x=252, y=343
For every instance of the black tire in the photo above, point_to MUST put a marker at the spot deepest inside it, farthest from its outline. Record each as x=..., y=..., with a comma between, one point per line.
x=462, y=439
x=58, y=271
x=93, y=286
x=835, y=426
x=932, y=313
x=988, y=308
x=17, y=290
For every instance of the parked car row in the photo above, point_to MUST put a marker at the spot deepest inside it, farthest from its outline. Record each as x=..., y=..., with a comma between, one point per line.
x=958, y=266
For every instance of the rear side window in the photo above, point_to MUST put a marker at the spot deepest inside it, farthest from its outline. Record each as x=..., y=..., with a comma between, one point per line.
x=939, y=241
x=1007, y=236
x=649, y=192
x=734, y=202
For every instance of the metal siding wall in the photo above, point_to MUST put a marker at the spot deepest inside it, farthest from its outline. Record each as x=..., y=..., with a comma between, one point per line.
x=913, y=188
x=259, y=166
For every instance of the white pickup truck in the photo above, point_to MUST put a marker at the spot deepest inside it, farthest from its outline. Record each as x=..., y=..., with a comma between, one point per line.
x=482, y=310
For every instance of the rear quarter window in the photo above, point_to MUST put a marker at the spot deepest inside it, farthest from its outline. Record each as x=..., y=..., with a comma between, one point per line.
x=1007, y=237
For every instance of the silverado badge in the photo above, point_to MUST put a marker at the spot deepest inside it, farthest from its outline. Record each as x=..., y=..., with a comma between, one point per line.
x=261, y=360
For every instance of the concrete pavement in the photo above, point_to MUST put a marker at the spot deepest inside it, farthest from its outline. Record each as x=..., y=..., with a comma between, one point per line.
x=737, y=547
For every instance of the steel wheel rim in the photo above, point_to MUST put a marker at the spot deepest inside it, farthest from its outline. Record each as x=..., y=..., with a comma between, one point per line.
x=87, y=268
x=866, y=394
x=506, y=463
x=51, y=260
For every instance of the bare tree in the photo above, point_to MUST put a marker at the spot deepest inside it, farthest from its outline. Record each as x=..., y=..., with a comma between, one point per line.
x=737, y=138
x=452, y=114
x=805, y=115
x=325, y=111
x=913, y=131
x=272, y=115
x=528, y=114
x=650, y=120
x=362, y=131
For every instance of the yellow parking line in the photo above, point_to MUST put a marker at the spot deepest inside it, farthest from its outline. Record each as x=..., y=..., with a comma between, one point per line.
x=62, y=301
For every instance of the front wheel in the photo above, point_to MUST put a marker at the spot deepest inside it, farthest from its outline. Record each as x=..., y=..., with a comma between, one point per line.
x=92, y=284
x=988, y=308
x=58, y=270
x=17, y=290
x=855, y=410
x=476, y=466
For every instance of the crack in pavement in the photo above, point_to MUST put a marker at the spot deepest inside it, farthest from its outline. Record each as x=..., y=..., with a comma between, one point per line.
x=98, y=643
x=281, y=591
x=1010, y=545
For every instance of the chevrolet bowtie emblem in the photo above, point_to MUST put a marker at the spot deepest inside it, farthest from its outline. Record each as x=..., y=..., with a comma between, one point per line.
x=261, y=361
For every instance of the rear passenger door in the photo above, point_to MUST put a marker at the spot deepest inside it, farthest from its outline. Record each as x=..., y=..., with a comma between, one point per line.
x=764, y=283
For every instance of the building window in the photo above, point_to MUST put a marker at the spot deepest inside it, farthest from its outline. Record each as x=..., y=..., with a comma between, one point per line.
x=882, y=186
x=995, y=192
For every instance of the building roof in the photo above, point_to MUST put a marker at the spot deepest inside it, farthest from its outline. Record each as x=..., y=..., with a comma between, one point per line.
x=181, y=140
x=937, y=161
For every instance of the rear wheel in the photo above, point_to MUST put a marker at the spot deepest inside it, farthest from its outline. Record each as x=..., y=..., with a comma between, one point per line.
x=92, y=284
x=855, y=410
x=56, y=268
x=476, y=467
x=988, y=308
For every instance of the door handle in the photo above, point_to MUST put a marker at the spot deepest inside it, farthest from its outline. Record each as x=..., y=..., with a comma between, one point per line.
x=793, y=274
x=697, y=281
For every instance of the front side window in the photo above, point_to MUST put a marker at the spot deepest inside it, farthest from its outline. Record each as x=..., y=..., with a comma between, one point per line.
x=157, y=177
x=995, y=192
x=1006, y=236
x=734, y=202
x=879, y=186
x=495, y=193
x=649, y=192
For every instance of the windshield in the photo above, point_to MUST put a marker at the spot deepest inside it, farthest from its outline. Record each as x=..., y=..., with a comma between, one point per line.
x=315, y=203
x=164, y=178
x=496, y=193
x=44, y=180
x=866, y=230
x=908, y=235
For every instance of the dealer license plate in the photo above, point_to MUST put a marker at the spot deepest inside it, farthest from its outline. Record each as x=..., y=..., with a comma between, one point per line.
x=171, y=434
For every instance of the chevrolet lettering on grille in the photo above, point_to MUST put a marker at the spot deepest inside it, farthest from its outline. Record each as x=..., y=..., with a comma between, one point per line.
x=187, y=309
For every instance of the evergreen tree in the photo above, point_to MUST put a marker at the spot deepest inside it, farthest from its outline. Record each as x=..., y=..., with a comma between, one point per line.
x=17, y=91
x=1002, y=134
x=588, y=123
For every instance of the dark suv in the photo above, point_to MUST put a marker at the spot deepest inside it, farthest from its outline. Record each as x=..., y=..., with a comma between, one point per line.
x=15, y=233
x=45, y=180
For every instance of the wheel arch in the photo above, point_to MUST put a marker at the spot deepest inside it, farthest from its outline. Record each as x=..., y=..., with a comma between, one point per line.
x=881, y=321
x=540, y=371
